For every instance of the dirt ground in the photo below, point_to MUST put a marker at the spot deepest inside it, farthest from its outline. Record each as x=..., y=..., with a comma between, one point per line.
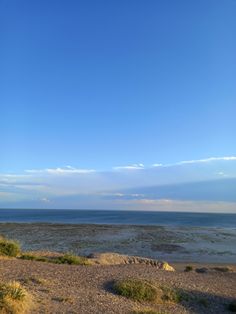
x=88, y=289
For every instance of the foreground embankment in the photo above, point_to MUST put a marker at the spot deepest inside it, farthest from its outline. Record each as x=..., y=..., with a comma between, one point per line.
x=61, y=288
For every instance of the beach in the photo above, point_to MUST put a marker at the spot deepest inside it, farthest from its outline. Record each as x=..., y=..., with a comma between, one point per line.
x=209, y=253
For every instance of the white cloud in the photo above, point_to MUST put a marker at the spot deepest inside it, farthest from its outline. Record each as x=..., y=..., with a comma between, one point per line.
x=139, y=166
x=45, y=200
x=197, y=161
x=210, y=159
x=222, y=174
x=114, y=184
x=65, y=170
x=130, y=167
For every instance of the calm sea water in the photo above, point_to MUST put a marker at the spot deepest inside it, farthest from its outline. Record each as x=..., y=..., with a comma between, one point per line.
x=118, y=217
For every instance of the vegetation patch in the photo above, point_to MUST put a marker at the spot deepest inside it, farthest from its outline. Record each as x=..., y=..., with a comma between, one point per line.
x=223, y=269
x=64, y=259
x=188, y=268
x=173, y=295
x=9, y=247
x=141, y=290
x=135, y=289
x=30, y=257
x=71, y=260
x=14, y=298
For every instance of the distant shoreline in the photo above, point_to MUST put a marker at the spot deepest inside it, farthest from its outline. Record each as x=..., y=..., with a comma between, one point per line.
x=118, y=217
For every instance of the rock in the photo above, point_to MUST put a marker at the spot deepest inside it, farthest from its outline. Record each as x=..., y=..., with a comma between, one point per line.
x=201, y=270
x=118, y=259
x=166, y=266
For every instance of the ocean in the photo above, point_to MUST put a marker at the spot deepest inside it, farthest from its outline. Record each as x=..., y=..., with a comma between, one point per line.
x=118, y=217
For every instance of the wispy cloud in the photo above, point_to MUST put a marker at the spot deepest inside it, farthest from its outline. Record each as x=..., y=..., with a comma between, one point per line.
x=45, y=200
x=133, y=186
x=130, y=167
x=64, y=170
x=206, y=160
x=118, y=195
x=196, y=161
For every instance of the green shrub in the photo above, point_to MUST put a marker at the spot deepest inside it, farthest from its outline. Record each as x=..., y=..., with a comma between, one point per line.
x=188, y=268
x=141, y=290
x=71, y=260
x=28, y=257
x=9, y=247
x=136, y=289
x=31, y=257
x=173, y=295
x=64, y=259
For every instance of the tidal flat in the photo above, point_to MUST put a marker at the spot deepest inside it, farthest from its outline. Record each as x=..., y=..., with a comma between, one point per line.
x=173, y=244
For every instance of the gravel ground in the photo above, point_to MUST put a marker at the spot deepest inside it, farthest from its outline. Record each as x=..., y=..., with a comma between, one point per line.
x=87, y=289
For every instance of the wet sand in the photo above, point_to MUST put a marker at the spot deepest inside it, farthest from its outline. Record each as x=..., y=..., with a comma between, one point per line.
x=173, y=244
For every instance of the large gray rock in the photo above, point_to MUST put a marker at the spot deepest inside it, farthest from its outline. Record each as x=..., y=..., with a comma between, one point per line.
x=117, y=259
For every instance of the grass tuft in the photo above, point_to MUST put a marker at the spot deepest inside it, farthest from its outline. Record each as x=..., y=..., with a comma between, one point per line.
x=14, y=298
x=9, y=247
x=71, y=259
x=64, y=259
x=31, y=257
x=136, y=289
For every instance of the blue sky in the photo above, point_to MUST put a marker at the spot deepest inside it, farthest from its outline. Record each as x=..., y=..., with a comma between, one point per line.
x=90, y=86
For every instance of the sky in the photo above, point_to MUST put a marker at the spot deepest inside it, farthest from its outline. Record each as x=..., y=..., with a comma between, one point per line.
x=118, y=104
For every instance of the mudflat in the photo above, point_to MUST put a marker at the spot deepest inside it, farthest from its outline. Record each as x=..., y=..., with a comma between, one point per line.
x=173, y=244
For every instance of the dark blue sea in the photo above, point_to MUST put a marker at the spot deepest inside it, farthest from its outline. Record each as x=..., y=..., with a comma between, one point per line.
x=118, y=217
